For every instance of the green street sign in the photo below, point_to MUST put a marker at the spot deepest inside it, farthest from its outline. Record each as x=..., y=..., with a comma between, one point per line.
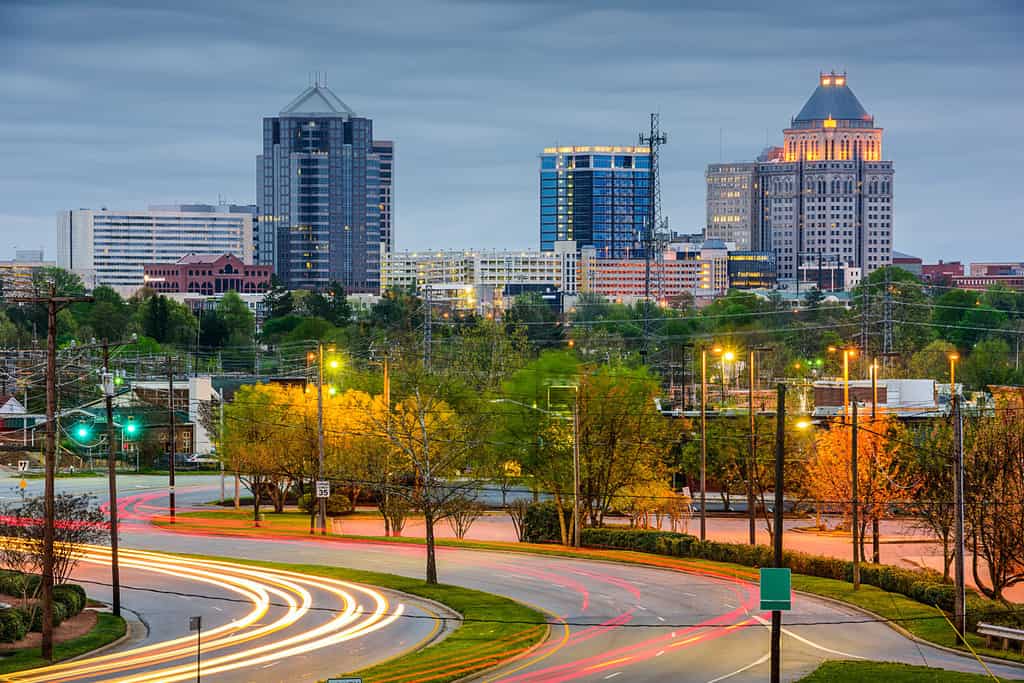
x=776, y=589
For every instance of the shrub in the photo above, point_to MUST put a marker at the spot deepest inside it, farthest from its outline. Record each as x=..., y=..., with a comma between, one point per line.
x=71, y=596
x=12, y=625
x=337, y=504
x=18, y=584
x=540, y=523
x=33, y=616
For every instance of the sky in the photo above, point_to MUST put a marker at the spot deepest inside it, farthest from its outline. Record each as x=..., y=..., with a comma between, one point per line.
x=127, y=103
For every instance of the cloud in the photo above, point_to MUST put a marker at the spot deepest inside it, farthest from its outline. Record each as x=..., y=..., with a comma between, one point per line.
x=122, y=102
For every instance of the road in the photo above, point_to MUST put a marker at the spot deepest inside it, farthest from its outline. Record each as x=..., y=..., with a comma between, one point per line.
x=609, y=620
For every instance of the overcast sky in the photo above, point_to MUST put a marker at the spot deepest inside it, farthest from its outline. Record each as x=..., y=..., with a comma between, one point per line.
x=125, y=103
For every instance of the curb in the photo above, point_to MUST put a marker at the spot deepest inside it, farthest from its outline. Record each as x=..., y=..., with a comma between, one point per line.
x=128, y=635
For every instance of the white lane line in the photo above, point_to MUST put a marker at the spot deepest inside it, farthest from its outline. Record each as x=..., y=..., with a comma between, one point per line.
x=762, y=660
x=661, y=618
x=612, y=675
x=767, y=624
x=729, y=606
x=690, y=595
x=660, y=653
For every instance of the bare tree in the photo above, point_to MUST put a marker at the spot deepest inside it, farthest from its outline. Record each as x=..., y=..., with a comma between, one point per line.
x=516, y=510
x=461, y=512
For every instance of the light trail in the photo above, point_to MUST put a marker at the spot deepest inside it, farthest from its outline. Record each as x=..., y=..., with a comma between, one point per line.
x=238, y=644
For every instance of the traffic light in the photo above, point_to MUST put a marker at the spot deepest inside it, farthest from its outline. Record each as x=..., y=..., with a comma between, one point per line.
x=82, y=432
x=132, y=429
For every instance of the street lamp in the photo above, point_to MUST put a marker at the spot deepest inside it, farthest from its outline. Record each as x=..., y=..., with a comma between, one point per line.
x=954, y=357
x=847, y=355
x=751, y=512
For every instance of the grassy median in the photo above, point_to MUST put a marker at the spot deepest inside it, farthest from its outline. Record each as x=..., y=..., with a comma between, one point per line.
x=887, y=672
x=493, y=629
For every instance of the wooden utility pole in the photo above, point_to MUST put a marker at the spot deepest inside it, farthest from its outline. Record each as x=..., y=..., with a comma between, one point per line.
x=54, y=304
x=108, y=392
x=855, y=520
x=170, y=434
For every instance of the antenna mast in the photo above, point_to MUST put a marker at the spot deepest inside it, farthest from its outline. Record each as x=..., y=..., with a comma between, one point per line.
x=654, y=140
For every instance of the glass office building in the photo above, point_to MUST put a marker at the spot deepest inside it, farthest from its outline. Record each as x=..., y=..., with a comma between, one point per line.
x=319, y=184
x=597, y=196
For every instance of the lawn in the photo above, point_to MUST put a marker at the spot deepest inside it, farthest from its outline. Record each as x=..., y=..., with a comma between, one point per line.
x=494, y=628
x=108, y=628
x=886, y=672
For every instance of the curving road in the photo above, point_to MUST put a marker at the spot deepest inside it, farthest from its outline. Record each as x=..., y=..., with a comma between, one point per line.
x=609, y=620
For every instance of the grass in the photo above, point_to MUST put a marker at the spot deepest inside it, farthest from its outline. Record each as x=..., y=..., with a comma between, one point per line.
x=850, y=672
x=108, y=628
x=63, y=475
x=921, y=620
x=495, y=628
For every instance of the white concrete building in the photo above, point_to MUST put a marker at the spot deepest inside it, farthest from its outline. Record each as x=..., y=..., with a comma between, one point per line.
x=108, y=247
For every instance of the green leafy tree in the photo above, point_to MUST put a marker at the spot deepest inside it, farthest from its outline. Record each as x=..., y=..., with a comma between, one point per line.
x=989, y=363
x=932, y=362
x=531, y=312
x=109, y=315
x=278, y=300
x=239, y=321
x=331, y=305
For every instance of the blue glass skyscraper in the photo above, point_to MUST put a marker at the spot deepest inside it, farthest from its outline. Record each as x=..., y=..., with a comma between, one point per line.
x=598, y=196
x=319, y=184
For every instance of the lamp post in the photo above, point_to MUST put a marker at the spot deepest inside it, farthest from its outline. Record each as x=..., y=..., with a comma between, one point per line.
x=847, y=355
x=752, y=463
x=959, y=597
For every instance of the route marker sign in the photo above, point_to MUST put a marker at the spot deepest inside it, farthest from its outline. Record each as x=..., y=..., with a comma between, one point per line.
x=323, y=488
x=23, y=465
x=776, y=589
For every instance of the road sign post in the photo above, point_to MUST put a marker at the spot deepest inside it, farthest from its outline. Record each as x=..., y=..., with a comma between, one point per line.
x=776, y=589
x=196, y=624
x=23, y=465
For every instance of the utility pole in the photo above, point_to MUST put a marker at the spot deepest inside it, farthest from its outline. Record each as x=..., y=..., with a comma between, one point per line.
x=387, y=456
x=427, y=323
x=752, y=463
x=576, y=470
x=321, y=502
x=703, y=442
x=875, y=528
x=53, y=303
x=654, y=140
x=170, y=435
x=108, y=392
x=780, y=453
x=856, y=501
x=960, y=597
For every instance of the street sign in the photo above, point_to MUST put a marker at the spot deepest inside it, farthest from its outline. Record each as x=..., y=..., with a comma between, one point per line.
x=22, y=485
x=23, y=465
x=686, y=492
x=323, y=488
x=195, y=623
x=776, y=589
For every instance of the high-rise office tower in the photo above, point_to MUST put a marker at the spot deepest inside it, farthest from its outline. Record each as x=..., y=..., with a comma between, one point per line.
x=319, y=190
x=385, y=151
x=597, y=196
x=732, y=204
x=828, y=195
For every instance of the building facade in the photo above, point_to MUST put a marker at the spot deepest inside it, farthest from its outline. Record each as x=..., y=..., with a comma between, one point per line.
x=111, y=248
x=385, y=151
x=204, y=274
x=595, y=196
x=18, y=274
x=733, y=204
x=702, y=272
x=829, y=192
x=319, y=184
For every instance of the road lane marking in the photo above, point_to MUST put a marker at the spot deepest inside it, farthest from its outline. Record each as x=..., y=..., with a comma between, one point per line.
x=803, y=640
x=762, y=660
x=611, y=662
x=617, y=673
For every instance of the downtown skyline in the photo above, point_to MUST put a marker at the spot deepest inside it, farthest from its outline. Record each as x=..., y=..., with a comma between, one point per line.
x=463, y=93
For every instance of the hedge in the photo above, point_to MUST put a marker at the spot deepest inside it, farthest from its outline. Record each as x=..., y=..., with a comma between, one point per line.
x=924, y=586
x=70, y=595
x=13, y=625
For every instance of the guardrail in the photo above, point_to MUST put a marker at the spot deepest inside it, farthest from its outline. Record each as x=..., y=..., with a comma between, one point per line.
x=1003, y=633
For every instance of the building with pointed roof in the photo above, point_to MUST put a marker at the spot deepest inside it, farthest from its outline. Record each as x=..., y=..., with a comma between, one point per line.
x=321, y=198
x=828, y=194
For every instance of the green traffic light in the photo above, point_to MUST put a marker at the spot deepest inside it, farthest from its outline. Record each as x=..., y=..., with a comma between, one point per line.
x=82, y=432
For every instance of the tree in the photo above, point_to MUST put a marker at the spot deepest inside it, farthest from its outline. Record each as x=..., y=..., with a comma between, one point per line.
x=78, y=522
x=278, y=300
x=239, y=321
x=167, y=321
x=109, y=315
x=932, y=362
x=332, y=305
x=439, y=440
x=994, y=493
x=882, y=476
x=727, y=450
x=253, y=422
x=536, y=316
x=988, y=364
x=932, y=469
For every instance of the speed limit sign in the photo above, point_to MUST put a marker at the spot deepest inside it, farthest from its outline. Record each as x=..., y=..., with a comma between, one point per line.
x=323, y=488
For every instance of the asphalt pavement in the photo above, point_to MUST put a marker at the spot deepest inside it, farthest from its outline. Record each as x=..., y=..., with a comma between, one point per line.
x=608, y=620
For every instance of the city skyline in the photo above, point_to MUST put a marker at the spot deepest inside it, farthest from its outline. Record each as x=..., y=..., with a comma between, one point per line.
x=469, y=108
